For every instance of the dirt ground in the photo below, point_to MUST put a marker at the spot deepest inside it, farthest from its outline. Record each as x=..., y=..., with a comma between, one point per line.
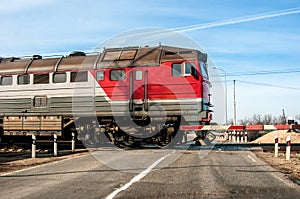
x=282, y=135
x=17, y=159
x=291, y=168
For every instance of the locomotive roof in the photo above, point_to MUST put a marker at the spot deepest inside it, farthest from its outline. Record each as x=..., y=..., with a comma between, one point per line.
x=110, y=57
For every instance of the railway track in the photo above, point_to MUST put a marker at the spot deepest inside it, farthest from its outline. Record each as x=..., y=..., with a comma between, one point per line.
x=41, y=145
x=254, y=146
x=10, y=148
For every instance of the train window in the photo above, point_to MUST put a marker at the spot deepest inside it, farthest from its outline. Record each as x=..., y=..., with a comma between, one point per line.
x=176, y=70
x=40, y=78
x=138, y=75
x=190, y=69
x=79, y=76
x=203, y=69
x=100, y=75
x=6, y=80
x=128, y=54
x=23, y=79
x=117, y=75
x=111, y=56
x=59, y=77
x=119, y=55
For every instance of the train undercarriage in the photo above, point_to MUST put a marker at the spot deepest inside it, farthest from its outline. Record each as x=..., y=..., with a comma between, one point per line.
x=117, y=131
x=99, y=131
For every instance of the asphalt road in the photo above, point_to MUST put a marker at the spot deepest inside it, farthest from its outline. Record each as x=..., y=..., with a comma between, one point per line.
x=111, y=173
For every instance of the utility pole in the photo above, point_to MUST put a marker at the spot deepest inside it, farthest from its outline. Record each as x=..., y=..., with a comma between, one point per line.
x=226, y=111
x=225, y=82
x=284, y=117
x=234, y=104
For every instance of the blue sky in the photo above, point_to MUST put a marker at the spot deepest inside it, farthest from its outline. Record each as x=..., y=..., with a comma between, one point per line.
x=271, y=44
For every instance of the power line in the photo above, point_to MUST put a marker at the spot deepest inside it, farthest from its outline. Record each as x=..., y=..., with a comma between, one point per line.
x=269, y=85
x=258, y=84
x=265, y=73
x=253, y=73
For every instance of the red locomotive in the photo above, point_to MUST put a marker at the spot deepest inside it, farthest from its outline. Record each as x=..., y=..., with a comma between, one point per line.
x=132, y=94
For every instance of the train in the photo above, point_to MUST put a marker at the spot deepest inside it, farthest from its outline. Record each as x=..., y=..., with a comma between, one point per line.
x=127, y=95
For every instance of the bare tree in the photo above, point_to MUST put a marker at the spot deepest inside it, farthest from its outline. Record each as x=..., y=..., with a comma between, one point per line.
x=257, y=119
x=282, y=119
x=275, y=120
x=230, y=122
x=245, y=121
x=267, y=119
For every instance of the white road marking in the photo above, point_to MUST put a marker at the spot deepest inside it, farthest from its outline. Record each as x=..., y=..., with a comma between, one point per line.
x=252, y=158
x=280, y=179
x=136, y=178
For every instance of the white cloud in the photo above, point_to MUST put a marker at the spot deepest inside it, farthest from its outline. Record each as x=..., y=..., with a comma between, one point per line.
x=238, y=41
x=13, y=6
x=239, y=20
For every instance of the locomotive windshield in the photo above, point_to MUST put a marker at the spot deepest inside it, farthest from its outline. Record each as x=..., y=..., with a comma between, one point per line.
x=203, y=69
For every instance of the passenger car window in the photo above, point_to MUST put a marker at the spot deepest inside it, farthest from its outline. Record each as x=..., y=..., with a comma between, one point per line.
x=6, y=80
x=59, y=77
x=138, y=75
x=117, y=75
x=176, y=70
x=23, y=79
x=40, y=78
x=190, y=68
x=100, y=75
x=79, y=76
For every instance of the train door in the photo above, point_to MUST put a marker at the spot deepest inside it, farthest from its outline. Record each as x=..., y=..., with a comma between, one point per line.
x=205, y=80
x=206, y=104
x=138, y=90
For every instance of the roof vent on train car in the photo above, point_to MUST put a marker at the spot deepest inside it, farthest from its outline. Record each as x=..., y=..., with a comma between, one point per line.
x=170, y=53
x=36, y=57
x=12, y=59
x=9, y=59
x=77, y=53
x=185, y=52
